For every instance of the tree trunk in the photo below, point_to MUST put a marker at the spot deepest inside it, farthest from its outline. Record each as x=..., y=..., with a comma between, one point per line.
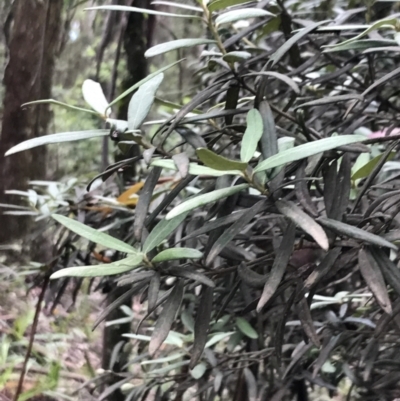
x=137, y=38
x=33, y=39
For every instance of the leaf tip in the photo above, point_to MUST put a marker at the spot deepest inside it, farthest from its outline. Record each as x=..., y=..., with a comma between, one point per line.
x=55, y=275
x=170, y=215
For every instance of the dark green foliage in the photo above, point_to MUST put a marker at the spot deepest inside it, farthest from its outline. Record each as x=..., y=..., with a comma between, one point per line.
x=268, y=263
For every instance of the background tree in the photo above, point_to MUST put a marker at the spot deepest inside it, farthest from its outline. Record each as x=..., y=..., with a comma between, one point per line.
x=33, y=40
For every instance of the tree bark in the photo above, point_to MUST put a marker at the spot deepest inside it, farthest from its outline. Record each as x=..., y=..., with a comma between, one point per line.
x=33, y=44
x=137, y=39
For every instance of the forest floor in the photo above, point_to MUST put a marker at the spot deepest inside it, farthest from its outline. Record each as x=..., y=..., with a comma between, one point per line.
x=66, y=352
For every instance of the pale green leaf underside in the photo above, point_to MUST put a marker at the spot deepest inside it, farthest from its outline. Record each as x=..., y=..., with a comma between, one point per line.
x=198, y=371
x=194, y=169
x=204, y=199
x=57, y=138
x=243, y=13
x=93, y=235
x=141, y=102
x=109, y=269
x=221, y=4
x=173, y=4
x=245, y=327
x=367, y=168
x=161, y=231
x=307, y=150
x=218, y=162
x=174, y=45
x=235, y=56
x=143, y=11
x=252, y=135
x=94, y=96
x=177, y=253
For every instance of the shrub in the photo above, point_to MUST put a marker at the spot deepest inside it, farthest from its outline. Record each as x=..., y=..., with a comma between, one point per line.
x=263, y=237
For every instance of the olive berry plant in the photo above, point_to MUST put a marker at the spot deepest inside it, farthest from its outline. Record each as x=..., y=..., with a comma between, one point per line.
x=264, y=238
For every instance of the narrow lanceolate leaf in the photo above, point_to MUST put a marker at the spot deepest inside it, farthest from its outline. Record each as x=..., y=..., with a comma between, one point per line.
x=176, y=44
x=201, y=325
x=307, y=150
x=177, y=5
x=193, y=139
x=307, y=223
x=252, y=135
x=232, y=231
x=251, y=278
x=93, y=235
x=279, y=267
x=109, y=269
x=244, y=326
x=367, y=169
x=302, y=192
x=177, y=253
x=57, y=138
x=277, y=56
x=322, y=269
x=142, y=11
x=325, y=352
x=373, y=276
x=329, y=100
x=143, y=81
x=166, y=318
x=186, y=272
x=195, y=169
x=284, y=78
x=94, y=97
x=217, y=162
x=197, y=100
x=386, y=78
x=134, y=277
x=251, y=384
x=216, y=5
x=143, y=204
x=269, y=144
x=57, y=103
x=342, y=189
x=154, y=289
x=355, y=232
x=141, y=102
x=388, y=23
x=213, y=225
x=304, y=313
x=161, y=231
x=148, y=154
x=205, y=199
x=232, y=97
x=243, y=13
x=390, y=271
x=364, y=44
x=236, y=56
x=344, y=27
x=119, y=301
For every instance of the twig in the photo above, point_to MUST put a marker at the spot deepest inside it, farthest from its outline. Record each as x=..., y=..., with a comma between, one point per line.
x=32, y=336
